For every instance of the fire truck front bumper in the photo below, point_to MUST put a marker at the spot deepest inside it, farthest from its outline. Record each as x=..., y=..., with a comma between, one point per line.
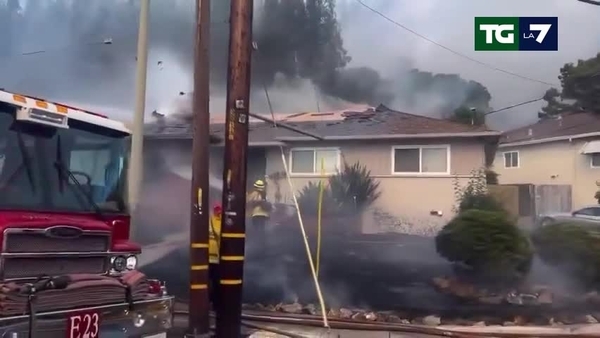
x=143, y=319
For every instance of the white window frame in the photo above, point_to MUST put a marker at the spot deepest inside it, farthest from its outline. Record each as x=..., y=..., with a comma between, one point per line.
x=518, y=159
x=421, y=147
x=592, y=161
x=316, y=169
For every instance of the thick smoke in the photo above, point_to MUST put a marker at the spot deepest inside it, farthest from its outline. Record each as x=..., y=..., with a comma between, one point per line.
x=57, y=49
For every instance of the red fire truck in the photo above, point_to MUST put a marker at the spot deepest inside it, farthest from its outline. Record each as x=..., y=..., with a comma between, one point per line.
x=67, y=266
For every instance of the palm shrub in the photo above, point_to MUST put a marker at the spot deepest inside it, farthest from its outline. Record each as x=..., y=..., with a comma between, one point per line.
x=308, y=200
x=349, y=191
x=354, y=188
x=488, y=244
x=571, y=247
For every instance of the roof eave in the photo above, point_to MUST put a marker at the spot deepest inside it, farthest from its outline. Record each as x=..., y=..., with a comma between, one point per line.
x=259, y=144
x=549, y=139
x=213, y=139
x=392, y=136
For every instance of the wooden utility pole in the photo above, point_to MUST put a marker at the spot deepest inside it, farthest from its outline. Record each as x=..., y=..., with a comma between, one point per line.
x=198, y=319
x=233, y=234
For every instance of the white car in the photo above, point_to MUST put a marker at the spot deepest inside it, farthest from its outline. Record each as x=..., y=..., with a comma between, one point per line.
x=588, y=214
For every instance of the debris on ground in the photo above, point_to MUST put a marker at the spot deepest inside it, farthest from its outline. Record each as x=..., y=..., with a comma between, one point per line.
x=432, y=320
x=532, y=295
x=476, y=320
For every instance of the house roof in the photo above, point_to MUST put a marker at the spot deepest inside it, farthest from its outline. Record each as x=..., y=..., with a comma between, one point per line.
x=563, y=127
x=365, y=123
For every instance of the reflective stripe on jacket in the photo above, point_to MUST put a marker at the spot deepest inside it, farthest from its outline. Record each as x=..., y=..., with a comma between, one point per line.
x=214, y=239
x=256, y=210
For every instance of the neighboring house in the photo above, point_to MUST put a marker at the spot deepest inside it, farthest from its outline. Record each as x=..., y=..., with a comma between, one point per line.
x=416, y=159
x=562, y=150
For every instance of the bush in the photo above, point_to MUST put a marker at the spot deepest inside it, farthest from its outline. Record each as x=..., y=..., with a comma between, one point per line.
x=475, y=194
x=488, y=244
x=353, y=188
x=348, y=191
x=571, y=247
x=308, y=200
x=491, y=177
x=479, y=202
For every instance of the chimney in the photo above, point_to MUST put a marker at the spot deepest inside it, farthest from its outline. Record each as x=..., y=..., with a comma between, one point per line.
x=530, y=132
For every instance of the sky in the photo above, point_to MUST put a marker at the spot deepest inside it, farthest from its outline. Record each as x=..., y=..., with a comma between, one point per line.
x=450, y=23
x=371, y=40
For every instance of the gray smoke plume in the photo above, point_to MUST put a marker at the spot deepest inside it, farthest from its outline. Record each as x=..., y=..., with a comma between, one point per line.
x=55, y=49
x=84, y=51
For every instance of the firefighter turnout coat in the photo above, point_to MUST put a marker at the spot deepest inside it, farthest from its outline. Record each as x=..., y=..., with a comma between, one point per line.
x=214, y=239
x=256, y=206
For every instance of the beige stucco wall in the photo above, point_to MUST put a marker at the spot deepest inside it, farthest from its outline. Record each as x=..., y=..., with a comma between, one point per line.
x=553, y=163
x=409, y=198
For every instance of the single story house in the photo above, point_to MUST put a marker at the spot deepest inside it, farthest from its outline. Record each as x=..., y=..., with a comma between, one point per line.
x=418, y=160
x=560, y=150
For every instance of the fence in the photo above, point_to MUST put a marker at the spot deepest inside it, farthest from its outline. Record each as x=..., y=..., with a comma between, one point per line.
x=527, y=201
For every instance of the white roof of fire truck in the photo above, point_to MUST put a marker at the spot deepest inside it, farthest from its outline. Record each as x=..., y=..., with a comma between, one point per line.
x=71, y=112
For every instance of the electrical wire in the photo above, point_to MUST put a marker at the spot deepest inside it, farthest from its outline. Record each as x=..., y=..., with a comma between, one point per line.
x=591, y=2
x=514, y=106
x=300, y=221
x=481, y=63
x=108, y=40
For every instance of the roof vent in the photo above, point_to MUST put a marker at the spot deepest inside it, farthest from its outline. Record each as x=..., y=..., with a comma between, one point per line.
x=530, y=132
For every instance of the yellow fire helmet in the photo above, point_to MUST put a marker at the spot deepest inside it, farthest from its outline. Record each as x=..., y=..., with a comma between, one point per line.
x=259, y=185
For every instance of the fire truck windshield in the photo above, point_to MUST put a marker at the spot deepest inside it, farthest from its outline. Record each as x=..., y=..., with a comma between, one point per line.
x=79, y=169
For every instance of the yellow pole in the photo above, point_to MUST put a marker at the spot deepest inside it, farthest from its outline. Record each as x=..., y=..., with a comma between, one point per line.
x=319, y=215
x=137, y=138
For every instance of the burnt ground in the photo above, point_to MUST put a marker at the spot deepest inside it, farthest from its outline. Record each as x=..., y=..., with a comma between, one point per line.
x=378, y=272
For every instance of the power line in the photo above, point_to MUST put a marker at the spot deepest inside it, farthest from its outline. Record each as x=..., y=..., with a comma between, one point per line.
x=513, y=106
x=487, y=65
x=591, y=2
x=95, y=42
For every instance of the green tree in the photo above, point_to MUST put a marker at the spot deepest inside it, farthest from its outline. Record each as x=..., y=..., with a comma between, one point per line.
x=467, y=101
x=580, y=83
x=298, y=39
x=467, y=115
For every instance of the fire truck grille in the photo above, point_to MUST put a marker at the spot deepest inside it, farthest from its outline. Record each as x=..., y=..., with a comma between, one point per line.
x=23, y=242
x=20, y=267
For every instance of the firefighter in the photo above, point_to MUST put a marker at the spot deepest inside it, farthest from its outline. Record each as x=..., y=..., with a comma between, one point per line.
x=214, y=241
x=258, y=206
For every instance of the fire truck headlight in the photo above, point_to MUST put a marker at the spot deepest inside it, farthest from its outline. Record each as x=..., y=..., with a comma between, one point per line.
x=131, y=262
x=119, y=263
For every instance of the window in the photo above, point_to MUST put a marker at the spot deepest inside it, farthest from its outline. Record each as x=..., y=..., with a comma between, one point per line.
x=92, y=163
x=421, y=159
x=309, y=160
x=511, y=159
x=595, y=160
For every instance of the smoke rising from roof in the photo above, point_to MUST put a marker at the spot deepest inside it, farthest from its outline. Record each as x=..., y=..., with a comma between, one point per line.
x=67, y=61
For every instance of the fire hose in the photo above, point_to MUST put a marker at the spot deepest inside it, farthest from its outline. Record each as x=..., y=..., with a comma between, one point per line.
x=300, y=221
x=249, y=319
